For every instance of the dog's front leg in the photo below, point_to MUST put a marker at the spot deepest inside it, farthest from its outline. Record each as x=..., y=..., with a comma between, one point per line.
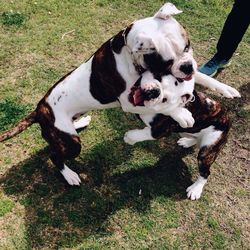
x=182, y=116
x=138, y=135
x=215, y=85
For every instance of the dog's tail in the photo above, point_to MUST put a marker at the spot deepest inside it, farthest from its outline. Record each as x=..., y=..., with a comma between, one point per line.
x=20, y=127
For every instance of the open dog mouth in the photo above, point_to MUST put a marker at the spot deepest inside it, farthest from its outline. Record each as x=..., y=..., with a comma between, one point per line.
x=188, y=77
x=138, y=96
x=135, y=96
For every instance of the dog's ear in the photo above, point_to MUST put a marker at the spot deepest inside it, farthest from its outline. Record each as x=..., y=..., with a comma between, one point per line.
x=144, y=44
x=167, y=10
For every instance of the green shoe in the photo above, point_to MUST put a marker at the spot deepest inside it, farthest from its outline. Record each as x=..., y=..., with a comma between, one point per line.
x=212, y=66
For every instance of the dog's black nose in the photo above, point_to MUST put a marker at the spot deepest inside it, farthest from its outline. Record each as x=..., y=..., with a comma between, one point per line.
x=187, y=68
x=151, y=94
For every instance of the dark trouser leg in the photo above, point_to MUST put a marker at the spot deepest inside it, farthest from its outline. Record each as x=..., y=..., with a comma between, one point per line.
x=234, y=29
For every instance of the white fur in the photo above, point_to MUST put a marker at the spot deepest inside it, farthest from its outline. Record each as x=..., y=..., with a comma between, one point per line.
x=82, y=122
x=187, y=142
x=205, y=137
x=144, y=44
x=72, y=96
x=183, y=117
x=215, y=85
x=167, y=10
x=70, y=176
x=209, y=136
x=137, y=135
x=164, y=35
x=195, y=190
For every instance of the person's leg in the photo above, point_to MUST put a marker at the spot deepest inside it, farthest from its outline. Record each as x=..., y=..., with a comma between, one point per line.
x=234, y=29
x=232, y=33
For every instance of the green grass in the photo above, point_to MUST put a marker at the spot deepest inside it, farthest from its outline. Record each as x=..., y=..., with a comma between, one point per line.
x=11, y=18
x=11, y=111
x=6, y=206
x=131, y=197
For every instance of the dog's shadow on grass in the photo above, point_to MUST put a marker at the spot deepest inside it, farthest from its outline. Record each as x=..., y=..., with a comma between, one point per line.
x=59, y=215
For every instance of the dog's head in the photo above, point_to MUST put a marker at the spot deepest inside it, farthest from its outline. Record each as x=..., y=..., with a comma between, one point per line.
x=161, y=45
x=168, y=93
x=147, y=95
x=177, y=92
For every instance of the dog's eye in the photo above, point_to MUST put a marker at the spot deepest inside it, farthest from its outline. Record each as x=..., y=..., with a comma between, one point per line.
x=186, y=49
x=164, y=100
x=176, y=83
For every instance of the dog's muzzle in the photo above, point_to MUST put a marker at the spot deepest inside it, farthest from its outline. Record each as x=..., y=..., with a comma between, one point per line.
x=138, y=96
x=151, y=94
x=187, y=68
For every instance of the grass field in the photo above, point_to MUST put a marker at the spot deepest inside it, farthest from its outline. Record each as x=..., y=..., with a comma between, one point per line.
x=132, y=197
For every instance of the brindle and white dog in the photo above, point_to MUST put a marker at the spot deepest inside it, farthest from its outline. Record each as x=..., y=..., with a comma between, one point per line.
x=158, y=44
x=209, y=132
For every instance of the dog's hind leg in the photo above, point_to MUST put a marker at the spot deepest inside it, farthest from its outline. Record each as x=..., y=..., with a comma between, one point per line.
x=187, y=142
x=82, y=122
x=64, y=146
x=211, y=143
x=62, y=138
x=70, y=176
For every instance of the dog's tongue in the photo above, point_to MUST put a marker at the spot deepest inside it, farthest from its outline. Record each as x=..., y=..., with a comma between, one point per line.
x=137, y=97
x=188, y=78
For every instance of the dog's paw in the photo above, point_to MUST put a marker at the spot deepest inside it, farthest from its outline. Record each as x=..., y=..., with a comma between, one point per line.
x=70, y=176
x=227, y=91
x=184, y=118
x=129, y=138
x=187, y=142
x=82, y=122
x=194, y=191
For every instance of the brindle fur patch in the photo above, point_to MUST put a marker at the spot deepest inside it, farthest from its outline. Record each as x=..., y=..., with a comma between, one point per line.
x=63, y=145
x=106, y=84
x=205, y=114
x=118, y=41
x=208, y=154
x=21, y=126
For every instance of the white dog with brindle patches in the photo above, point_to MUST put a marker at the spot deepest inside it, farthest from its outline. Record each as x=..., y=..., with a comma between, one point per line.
x=209, y=130
x=158, y=44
